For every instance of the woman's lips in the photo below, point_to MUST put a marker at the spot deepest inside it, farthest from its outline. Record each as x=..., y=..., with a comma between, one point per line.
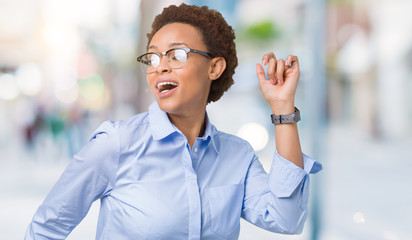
x=166, y=87
x=166, y=93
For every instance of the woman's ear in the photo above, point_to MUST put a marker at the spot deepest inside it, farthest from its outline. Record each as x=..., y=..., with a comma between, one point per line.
x=217, y=67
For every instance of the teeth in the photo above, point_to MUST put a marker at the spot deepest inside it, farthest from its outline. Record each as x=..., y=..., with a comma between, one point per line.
x=166, y=83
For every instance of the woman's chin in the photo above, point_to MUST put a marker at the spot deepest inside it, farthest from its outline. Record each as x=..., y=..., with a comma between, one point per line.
x=168, y=105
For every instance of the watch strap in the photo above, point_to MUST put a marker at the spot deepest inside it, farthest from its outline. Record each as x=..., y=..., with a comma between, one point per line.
x=286, y=118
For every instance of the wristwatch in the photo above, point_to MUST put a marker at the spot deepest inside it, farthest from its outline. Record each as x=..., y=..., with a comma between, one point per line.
x=286, y=118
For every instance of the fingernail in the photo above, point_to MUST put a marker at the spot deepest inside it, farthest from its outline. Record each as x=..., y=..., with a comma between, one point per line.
x=264, y=62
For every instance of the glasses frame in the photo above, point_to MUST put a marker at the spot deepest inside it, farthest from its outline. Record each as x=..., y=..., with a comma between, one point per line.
x=187, y=51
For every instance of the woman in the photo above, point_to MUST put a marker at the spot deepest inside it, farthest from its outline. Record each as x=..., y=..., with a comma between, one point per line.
x=168, y=173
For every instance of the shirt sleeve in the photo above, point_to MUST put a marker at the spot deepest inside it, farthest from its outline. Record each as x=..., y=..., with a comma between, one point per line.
x=278, y=201
x=89, y=175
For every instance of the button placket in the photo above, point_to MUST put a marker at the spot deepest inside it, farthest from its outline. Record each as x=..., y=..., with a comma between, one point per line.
x=195, y=153
x=193, y=196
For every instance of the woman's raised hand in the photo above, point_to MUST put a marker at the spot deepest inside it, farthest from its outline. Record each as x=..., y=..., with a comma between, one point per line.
x=283, y=76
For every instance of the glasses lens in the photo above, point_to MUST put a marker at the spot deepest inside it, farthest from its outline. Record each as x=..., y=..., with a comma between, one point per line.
x=149, y=62
x=177, y=58
x=152, y=62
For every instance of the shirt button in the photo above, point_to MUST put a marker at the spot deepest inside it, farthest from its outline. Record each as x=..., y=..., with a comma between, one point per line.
x=195, y=150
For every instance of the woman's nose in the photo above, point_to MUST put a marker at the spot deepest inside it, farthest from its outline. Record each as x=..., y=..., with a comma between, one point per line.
x=163, y=65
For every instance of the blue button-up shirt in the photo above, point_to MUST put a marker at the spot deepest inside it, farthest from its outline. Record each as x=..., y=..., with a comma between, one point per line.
x=152, y=185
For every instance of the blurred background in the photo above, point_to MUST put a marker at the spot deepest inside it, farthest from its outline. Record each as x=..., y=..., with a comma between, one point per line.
x=66, y=66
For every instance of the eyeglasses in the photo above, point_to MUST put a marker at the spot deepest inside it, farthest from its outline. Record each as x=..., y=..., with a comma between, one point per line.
x=176, y=58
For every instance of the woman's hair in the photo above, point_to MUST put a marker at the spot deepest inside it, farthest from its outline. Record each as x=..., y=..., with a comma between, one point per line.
x=217, y=34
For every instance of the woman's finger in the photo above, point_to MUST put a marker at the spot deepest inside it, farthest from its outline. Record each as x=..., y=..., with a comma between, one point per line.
x=292, y=61
x=287, y=67
x=280, y=69
x=266, y=57
x=260, y=72
x=271, y=70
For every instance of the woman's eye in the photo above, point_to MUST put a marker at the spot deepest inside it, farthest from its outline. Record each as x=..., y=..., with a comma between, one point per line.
x=154, y=61
x=179, y=56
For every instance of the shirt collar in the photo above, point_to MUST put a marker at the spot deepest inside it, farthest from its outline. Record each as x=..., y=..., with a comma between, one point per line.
x=162, y=127
x=159, y=122
x=210, y=133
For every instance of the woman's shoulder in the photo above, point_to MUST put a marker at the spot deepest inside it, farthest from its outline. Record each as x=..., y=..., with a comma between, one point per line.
x=108, y=138
x=110, y=128
x=135, y=121
x=233, y=149
x=229, y=140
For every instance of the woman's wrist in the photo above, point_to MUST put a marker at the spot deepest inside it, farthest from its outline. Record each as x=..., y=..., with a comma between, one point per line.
x=279, y=108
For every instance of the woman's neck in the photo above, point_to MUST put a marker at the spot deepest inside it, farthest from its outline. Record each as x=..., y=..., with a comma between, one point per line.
x=192, y=125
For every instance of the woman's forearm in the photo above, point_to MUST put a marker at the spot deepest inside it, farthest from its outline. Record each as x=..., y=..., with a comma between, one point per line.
x=287, y=138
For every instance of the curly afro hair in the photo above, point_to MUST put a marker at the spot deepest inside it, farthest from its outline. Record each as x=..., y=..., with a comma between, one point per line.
x=217, y=34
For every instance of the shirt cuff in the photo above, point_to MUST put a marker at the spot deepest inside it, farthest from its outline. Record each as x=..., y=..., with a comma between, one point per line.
x=285, y=176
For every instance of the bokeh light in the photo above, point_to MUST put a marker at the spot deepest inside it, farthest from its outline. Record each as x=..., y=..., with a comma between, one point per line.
x=9, y=89
x=29, y=79
x=389, y=235
x=63, y=76
x=358, y=217
x=91, y=88
x=255, y=134
x=92, y=91
x=67, y=96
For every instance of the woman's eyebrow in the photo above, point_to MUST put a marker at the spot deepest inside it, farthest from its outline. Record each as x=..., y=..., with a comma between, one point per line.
x=171, y=45
x=177, y=44
x=152, y=47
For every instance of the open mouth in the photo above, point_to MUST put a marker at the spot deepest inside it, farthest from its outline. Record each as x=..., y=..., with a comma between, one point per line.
x=166, y=86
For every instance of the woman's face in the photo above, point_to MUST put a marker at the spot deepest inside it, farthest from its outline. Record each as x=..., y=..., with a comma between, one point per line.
x=191, y=83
